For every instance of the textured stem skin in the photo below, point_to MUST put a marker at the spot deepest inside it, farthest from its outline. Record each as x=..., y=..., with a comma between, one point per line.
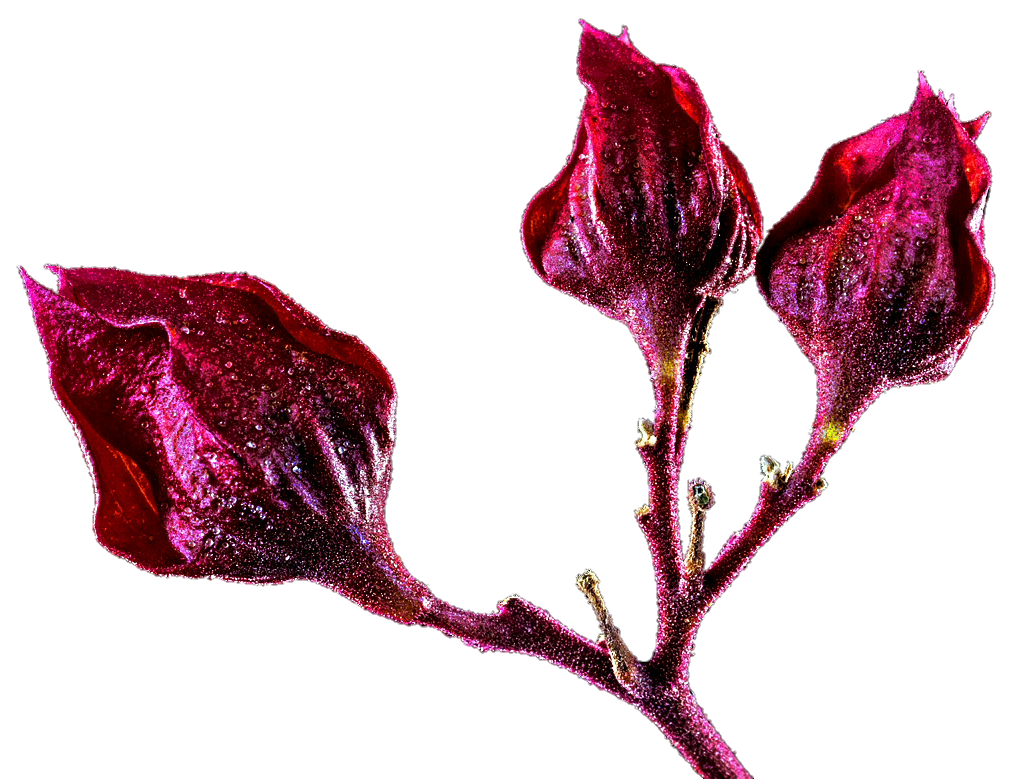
x=661, y=526
x=521, y=627
x=838, y=409
x=674, y=387
x=684, y=723
x=659, y=689
x=775, y=507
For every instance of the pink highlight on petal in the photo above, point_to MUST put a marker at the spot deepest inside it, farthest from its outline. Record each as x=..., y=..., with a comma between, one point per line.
x=230, y=432
x=651, y=214
x=879, y=272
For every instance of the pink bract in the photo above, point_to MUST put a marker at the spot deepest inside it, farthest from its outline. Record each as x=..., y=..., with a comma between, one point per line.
x=230, y=432
x=880, y=271
x=652, y=213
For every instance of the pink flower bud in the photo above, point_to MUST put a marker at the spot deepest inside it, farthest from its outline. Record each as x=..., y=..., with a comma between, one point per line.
x=652, y=213
x=230, y=432
x=880, y=272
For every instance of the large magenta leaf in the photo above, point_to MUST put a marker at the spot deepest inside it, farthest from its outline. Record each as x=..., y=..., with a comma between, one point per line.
x=231, y=433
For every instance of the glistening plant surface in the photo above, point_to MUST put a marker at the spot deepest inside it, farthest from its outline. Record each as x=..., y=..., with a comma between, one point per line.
x=304, y=447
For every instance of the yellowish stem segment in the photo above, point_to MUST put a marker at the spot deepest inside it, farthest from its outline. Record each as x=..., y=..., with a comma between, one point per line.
x=625, y=665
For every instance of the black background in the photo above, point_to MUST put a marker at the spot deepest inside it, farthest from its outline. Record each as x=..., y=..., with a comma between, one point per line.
x=376, y=169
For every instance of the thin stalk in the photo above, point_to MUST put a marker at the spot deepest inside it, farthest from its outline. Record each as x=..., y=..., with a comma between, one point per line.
x=521, y=627
x=776, y=505
x=674, y=386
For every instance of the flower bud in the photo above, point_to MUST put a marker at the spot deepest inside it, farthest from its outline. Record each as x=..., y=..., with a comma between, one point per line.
x=880, y=272
x=230, y=433
x=652, y=213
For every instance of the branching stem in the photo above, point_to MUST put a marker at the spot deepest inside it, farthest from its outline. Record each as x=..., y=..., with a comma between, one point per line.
x=685, y=588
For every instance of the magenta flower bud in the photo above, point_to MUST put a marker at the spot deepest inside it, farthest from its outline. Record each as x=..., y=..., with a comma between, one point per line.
x=652, y=213
x=880, y=272
x=230, y=432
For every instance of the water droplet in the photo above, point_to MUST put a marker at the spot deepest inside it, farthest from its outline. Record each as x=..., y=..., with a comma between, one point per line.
x=228, y=364
x=295, y=469
x=250, y=444
x=258, y=427
x=186, y=330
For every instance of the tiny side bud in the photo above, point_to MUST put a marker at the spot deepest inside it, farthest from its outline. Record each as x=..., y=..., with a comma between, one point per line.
x=700, y=500
x=770, y=469
x=646, y=439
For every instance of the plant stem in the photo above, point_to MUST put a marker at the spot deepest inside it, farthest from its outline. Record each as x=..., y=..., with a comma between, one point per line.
x=660, y=524
x=686, y=726
x=521, y=627
x=839, y=406
x=774, y=508
x=685, y=590
x=674, y=387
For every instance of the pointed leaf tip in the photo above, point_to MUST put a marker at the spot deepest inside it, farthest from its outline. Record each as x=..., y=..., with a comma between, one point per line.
x=975, y=126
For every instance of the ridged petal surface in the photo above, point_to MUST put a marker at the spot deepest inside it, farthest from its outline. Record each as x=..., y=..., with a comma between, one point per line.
x=880, y=272
x=651, y=213
x=230, y=432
